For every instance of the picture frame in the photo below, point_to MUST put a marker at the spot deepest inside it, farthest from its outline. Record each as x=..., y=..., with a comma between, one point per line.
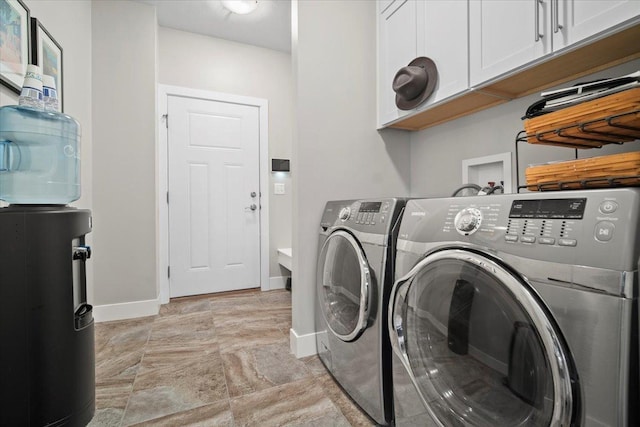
x=15, y=51
x=46, y=52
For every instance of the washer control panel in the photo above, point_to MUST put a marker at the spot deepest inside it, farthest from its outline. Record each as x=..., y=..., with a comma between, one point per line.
x=545, y=221
x=595, y=227
x=548, y=222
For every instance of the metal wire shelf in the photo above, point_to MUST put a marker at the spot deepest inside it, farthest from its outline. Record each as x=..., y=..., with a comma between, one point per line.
x=613, y=129
x=590, y=183
x=604, y=182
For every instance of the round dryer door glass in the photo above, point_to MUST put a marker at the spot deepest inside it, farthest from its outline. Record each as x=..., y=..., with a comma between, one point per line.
x=343, y=285
x=479, y=347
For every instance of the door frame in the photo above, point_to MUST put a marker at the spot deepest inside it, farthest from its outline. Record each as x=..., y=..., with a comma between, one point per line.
x=162, y=178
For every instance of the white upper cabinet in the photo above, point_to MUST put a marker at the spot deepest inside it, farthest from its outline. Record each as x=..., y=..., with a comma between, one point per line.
x=505, y=35
x=407, y=29
x=397, y=46
x=580, y=19
x=443, y=34
x=489, y=51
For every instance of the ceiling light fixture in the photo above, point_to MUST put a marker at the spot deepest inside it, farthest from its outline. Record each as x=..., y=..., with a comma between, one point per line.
x=241, y=7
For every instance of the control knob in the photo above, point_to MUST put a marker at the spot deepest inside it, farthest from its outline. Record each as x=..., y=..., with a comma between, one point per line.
x=345, y=213
x=467, y=221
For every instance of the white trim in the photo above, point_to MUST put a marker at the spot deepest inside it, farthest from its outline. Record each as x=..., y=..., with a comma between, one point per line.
x=302, y=345
x=265, y=176
x=126, y=310
x=164, y=91
x=278, y=282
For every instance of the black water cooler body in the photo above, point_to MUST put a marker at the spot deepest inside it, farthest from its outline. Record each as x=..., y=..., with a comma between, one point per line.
x=47, y=359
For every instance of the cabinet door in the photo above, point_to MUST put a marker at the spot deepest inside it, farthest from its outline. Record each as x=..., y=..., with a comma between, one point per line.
x=443, y=36
x=396, y=48
x=580, y=19
x=505, y=35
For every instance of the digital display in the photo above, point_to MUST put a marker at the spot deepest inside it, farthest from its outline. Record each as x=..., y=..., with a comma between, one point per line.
x=280, y=165
x=370, y=206
x=548, y=208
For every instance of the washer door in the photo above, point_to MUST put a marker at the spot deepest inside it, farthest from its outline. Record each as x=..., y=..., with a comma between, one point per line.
x=344, y=283
x=478, y=346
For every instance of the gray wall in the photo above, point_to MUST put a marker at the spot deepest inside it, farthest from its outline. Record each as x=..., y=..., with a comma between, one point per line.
x=437, y=153
x=337, y=152
x=223, y=66
x=74, y=35
x=124, y=136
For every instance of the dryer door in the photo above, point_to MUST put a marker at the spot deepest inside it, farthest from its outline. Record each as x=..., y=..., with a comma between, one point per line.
x=344, y=283
x=478, y=345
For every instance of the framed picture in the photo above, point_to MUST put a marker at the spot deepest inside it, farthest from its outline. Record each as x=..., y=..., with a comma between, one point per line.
x=47, y=54
x=14, y=43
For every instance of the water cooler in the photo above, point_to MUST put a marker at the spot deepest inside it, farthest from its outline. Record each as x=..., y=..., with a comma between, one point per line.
x=47, y=361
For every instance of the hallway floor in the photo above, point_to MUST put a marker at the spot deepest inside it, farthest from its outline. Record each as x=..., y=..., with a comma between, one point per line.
x=215, y=360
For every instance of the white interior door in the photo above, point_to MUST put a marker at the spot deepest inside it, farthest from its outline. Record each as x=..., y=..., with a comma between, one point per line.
x=214, y=202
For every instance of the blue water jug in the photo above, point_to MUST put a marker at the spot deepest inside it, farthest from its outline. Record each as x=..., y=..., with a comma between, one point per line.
x=39, y=156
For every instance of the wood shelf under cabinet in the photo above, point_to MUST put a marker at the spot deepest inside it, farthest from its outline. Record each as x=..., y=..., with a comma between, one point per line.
x=585, y=59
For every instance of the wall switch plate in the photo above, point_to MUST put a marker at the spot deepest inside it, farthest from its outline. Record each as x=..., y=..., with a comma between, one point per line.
x=278, y=188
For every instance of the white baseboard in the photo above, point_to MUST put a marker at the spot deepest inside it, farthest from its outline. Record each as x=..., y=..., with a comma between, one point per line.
x=302, y=345
x=126, y=310
x=278, y=282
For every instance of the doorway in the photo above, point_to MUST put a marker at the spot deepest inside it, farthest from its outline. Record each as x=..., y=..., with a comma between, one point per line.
x=212, y=192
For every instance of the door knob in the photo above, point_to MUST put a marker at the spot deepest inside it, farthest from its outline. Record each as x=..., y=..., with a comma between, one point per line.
x=253, y=194
x=253, y=207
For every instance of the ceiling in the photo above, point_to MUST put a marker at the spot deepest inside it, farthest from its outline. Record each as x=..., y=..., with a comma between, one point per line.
x=268, y=26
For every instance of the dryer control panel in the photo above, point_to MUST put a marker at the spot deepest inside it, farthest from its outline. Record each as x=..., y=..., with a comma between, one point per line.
x=371, y=212
x=369, y=216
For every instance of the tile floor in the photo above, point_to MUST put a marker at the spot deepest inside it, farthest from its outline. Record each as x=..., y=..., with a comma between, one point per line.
x=216, y=360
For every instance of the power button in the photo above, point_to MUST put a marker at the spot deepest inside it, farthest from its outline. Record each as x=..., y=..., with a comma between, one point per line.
x=604, y=231
x=608, y=206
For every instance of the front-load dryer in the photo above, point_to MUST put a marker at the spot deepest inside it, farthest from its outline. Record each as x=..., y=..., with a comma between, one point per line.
x=354, y=278
x=517, y=310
